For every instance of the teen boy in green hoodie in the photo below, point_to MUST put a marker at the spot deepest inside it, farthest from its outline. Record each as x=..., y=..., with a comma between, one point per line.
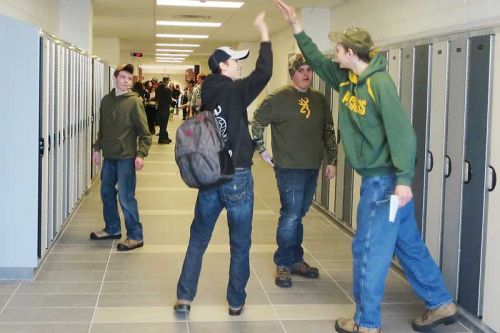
x=380, y=144
x=124, y=139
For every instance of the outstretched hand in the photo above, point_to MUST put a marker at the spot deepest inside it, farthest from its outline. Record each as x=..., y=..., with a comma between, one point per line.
x=290, y=15
x=261, y=25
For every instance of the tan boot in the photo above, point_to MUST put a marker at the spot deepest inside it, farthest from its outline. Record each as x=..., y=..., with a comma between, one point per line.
x=129, y=244
x=446, y=314
x=344, y=325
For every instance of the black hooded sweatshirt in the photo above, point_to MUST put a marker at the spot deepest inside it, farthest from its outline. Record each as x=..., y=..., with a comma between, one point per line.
x=229, y=100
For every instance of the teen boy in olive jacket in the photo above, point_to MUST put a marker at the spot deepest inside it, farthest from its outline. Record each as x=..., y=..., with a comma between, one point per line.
x=124, y=139
x=380, y=145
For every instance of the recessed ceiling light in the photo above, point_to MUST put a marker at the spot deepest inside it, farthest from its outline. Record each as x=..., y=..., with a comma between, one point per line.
x=181, y=36
x=189, y=24
x=170, y=61
x=172, y=55
x=177, y=45
x=188, y=3
x=173, y=50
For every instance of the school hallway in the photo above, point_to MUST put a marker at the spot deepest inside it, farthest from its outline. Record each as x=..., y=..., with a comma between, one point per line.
x=87, y=286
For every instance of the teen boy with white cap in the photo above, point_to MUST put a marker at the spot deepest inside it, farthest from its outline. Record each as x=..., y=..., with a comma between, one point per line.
x=228, y=97
x=380, y=144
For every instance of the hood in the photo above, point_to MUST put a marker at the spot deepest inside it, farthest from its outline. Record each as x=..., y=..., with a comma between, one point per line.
x=130, y=93
x=214, y=86
x=377, y=64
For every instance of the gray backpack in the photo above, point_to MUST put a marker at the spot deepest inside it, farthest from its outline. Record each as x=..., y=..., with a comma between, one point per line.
x=201, y=153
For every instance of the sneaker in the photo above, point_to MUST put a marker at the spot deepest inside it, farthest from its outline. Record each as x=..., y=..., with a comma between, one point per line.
x=101, y=234
x=302, y=268
x=344, y=325
x=129, y=244
x=282, y=278
x=446, y=314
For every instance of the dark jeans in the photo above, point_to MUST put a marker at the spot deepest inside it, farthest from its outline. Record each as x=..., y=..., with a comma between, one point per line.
x=151, y=116
x=121, y=172
x=296, y=188
x=237, y=197
x=164, y=114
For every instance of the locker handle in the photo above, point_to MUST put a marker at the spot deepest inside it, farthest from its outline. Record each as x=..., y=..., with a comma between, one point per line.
x=41, y=147
x=430, y=161
x=467, y=172
x=50, y=144
x=448, y=166
x=493, y=179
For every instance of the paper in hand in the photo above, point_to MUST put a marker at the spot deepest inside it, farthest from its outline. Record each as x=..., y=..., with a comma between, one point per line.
x=393, y=207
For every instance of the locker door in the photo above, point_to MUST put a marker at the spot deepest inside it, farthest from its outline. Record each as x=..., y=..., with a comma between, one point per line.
x=340, y=184
x=51, y=145
x=66, y=133
x=325, y=193
x=406, y=88
x=455, y=139
x=348, y=195
x=473, y=218
x=420, y=116
x=491, y=293
x=43, y=239
x=437, y=134
x=319, y=188
x=60, y=121
x=356, y=195
x=395, y=67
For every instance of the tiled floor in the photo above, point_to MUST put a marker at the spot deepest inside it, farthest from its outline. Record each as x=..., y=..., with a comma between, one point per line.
x=86, y=286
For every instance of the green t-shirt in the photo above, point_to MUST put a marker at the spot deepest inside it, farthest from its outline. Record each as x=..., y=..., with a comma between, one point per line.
x=301, y=125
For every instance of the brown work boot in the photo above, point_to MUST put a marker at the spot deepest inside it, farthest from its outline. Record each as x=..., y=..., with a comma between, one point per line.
x=344, y=325
x=446, y=314
x=282, y=278
x=129, y=244
x=302, y=268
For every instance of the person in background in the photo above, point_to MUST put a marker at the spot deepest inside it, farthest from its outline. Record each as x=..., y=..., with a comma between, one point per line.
x=196, y=103
x=150, y=106
x=380, y=144
x=163, y=100
x=302, y=125
x=124, y=140
x=228, y=96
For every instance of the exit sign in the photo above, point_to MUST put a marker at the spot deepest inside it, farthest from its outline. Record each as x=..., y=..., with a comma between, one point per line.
x=137, y=54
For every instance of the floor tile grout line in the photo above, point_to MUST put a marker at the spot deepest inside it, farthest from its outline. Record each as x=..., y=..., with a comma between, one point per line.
x=11, y=297
x=268, y=298
x=102, y=285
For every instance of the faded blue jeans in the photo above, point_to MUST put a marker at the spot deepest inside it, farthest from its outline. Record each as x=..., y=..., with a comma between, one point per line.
x=296, y=188
x=237, y=197
x=373, y=246
x=121, y=172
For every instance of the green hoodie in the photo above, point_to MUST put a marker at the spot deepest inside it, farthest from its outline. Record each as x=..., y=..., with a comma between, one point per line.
x=123, y=130
x=376, y=132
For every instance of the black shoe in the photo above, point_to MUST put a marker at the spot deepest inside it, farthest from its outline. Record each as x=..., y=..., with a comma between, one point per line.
x=182, y=308
x=302, y=268
x=282, y=278
x=169, y=140
x=236, y=311
x=157, y=134
x=163, y=142
x=100, y=235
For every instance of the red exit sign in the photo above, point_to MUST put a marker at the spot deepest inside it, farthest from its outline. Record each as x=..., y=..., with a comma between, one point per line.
x=137, y=54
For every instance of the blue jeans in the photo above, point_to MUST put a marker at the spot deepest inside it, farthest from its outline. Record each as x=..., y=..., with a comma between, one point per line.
x=373, y=246
x=237, y=197
x=296, y=188
x=121, y=172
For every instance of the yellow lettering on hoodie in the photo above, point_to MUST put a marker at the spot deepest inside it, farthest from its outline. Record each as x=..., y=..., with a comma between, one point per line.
x=354, y=104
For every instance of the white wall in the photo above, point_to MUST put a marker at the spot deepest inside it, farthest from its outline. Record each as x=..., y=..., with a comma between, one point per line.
x=75, y=23
x=391, y=21
x=40, y=13
x=107, y=49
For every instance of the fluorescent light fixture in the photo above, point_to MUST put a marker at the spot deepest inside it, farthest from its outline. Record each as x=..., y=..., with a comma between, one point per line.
x=170, y=55
x=177, y=45
x=169, y=61
x=189, y=24
x=188, y=3
x=174, y=50
x=182, y=36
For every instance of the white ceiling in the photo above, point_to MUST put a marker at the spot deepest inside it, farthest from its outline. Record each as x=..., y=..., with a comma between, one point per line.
x=134, y=23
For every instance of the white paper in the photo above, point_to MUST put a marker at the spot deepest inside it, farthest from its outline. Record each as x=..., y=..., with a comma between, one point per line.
x=393, y=207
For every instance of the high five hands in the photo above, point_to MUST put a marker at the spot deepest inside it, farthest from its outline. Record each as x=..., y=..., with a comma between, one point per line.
x=290, y=15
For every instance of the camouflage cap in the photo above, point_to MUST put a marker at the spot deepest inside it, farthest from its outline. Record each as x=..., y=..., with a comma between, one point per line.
x=295, y=62
x=355, y=38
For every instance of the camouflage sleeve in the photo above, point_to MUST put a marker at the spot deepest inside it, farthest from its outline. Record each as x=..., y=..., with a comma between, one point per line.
x=330, y=144
x=258, y=135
